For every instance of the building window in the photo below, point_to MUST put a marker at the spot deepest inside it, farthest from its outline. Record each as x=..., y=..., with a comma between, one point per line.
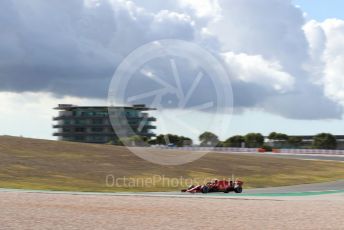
x=67, y=122
x=101, y=114
x=79, y=129
x=97, y=138
x=65, y=130
x=86, y=114
x=97, y=121
x=79, y=138
x=97, y=129
x=82, y=122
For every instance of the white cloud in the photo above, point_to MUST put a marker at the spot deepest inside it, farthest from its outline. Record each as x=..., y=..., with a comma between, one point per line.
x=205, y=8
x=270, y=28
x=271, y=34
x=327, y=48
x=255, y=69
x=334, y=59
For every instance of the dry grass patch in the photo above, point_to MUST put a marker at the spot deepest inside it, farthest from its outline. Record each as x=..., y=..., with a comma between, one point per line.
x=42, y=164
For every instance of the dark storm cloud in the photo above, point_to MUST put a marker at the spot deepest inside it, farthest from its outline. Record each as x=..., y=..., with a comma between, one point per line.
x=74, y=47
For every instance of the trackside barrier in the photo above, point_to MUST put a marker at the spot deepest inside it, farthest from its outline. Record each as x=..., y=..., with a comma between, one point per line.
x=255, y=150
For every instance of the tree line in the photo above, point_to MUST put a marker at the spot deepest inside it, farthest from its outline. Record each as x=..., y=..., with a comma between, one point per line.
x=250, y=140
x=277, y=140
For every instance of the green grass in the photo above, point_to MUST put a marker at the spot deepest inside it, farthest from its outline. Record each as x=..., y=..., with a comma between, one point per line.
x=51, y=165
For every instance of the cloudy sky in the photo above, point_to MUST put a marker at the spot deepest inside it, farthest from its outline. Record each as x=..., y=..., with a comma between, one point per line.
x=284, y=58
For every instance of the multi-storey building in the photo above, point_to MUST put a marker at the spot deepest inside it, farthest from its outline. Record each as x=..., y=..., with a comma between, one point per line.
x=92, y=124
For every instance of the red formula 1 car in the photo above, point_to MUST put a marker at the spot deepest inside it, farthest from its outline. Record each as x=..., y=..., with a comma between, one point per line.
x=217, y=186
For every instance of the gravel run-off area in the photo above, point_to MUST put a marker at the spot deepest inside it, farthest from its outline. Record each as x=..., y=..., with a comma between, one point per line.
x=20, y=210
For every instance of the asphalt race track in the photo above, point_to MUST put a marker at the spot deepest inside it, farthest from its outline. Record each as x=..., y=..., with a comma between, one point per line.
x=309, y=156
x=322, y=157
x=329, y=188
x=320, y=187
x=312, y=206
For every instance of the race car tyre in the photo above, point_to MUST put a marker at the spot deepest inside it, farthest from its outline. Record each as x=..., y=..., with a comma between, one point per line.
x=238, y=190
x=227, y=190
x=205, y=189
